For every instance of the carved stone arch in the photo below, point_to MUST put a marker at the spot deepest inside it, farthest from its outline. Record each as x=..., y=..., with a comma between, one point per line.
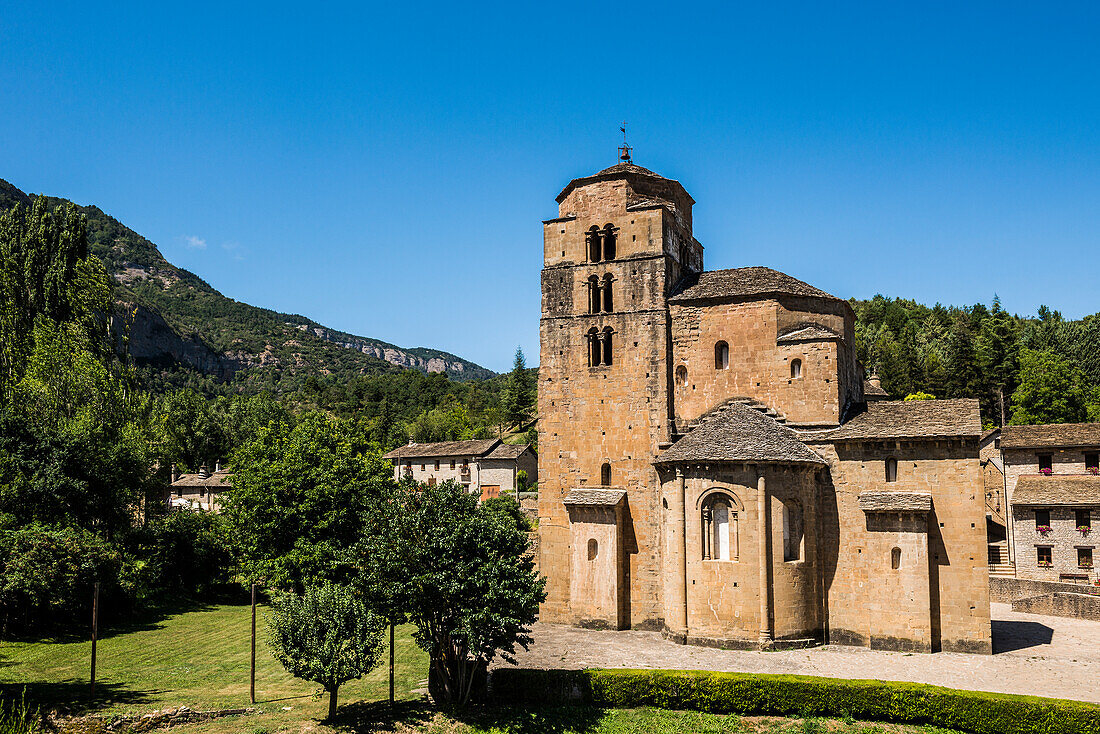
x=719, y=518
x=708, y=493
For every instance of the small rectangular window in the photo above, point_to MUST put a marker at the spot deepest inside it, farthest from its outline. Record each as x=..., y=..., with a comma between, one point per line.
x=1045, y=556
x=452, y=463
x=891, y=470
x=1092, y=463
x=1042, y=520
x=1046, y=463
x=437, y=464
x=1084, y=520
x=1084, y=557
x=422, y=467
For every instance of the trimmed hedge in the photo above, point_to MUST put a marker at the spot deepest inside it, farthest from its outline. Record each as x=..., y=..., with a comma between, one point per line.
x=751, y=694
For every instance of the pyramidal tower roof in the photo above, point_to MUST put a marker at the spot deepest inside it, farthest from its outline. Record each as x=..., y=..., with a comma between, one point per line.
x=637, y=175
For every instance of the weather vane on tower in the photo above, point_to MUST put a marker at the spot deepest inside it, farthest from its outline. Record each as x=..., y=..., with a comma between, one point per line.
x=624, y=150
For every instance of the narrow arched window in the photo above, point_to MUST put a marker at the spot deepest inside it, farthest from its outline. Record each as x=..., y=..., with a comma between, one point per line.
x=792, y=530
x=593, y=294
x=605, y=475
x=796, y=369
x=593, y=347
x=608, y=234
x=721, y=356
x=593, y=549
x=895, y=558
x=593, y=241
x=607, y=333
x=891, y=470
x=608, y=303
x=681, y=376
x=720, y=534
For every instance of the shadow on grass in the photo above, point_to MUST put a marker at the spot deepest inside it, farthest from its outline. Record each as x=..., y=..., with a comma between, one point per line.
x=381, y=716
x=72, y=697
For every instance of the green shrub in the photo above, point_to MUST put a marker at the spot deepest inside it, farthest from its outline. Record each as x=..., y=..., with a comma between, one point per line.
x=784, y=695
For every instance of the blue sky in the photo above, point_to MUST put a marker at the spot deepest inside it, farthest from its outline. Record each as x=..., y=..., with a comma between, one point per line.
x=384, y=169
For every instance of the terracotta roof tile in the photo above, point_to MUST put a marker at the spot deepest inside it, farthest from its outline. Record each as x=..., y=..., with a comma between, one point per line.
x=745, y=283
x=737, y=432
x=1059, y=489
x=909, y=419
x=445, y=448
x=1050, y=435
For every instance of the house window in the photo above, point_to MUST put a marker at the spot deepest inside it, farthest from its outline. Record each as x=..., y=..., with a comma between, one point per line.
x=1084, y=558
x=682, y=376
x=721, y=356
x=1044, y=556
x=437, y=464
x=1042, y=520
x=1092, y=463
x=720, y=534
x=422, y=467
x=891, y=470
x=895, y=558
x=792, y=530
x=796, y=369
x=1046, y=463
x=1084, y=520
x=605, y=475
x=452, y=464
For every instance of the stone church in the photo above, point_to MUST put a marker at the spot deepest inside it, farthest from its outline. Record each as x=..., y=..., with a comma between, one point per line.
x=713, y=464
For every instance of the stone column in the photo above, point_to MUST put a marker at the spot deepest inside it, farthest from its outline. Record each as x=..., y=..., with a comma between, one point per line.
x=763, y=522
x=676, y=570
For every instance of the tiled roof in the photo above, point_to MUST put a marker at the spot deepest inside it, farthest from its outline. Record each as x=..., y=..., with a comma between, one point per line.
x=1050, y=435
x=600, y=497
x=444, y=448
x=909, y=419
x=737, y=432
x=745, y=283
x=217, y=479
x=807, y=333
x=508, y=451
x=1059, y=489
x=872, y=501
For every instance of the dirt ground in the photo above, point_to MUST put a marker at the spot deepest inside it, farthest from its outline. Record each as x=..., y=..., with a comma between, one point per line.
x=1033, y=654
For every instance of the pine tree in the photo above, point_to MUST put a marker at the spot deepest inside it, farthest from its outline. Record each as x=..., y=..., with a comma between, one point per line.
x=518, y=396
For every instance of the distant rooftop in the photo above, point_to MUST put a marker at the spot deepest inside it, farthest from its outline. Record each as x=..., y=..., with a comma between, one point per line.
x=1050, y=435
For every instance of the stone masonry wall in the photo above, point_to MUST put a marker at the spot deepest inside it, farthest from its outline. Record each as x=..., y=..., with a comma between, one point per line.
x=1063, y=539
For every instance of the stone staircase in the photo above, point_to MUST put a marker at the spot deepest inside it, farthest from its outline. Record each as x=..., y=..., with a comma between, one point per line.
x=1006, y=570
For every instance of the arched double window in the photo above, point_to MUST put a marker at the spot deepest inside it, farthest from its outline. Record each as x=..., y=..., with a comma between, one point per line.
x=599, y=294
x=600, y=346
x=600, y=243
x=720, y=532
x=721, y=356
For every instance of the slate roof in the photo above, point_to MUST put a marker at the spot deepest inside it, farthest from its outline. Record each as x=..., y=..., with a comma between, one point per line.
x=752, y=282
x=595, y=497
x=1050, y=435
x=873, y=392
x=910, y=419
x=443, y=448
x=508, y=451
x=1059, y=489
x=620, y=170
x=216, y=480
x=807, y=333
x=737, y=432
x=877, y=501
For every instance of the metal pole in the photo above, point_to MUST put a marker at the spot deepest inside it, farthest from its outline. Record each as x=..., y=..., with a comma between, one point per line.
x=252, y=668
x=95, y=630
x=391, y=661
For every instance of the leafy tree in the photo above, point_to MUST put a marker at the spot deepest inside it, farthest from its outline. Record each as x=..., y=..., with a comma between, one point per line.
x=1052, y=390
x=327, y=636
x=919, y=396
x=461, y=571
x=298, y=498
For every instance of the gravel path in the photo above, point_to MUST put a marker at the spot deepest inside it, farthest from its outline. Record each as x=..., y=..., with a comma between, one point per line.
x=1033, y=654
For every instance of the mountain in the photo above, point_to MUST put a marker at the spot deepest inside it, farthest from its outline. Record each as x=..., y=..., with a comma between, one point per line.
x=181, y=328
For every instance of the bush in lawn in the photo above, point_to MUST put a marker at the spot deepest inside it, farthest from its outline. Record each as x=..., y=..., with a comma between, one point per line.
x=460, y=571
x=187, y=553
x=327, y=636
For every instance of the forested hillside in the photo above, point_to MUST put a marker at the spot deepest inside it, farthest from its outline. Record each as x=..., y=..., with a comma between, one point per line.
x=1046, y=368
x=182, y=332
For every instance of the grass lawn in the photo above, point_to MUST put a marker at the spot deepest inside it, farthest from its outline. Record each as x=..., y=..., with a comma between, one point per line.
x=199, y=658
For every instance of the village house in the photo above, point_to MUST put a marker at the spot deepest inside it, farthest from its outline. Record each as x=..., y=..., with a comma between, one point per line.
x=1052, y=484
x=198, y=491
x=488, y=467
x=713, y=463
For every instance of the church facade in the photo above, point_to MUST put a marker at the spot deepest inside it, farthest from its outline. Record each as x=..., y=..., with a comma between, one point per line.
x=712, y=463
